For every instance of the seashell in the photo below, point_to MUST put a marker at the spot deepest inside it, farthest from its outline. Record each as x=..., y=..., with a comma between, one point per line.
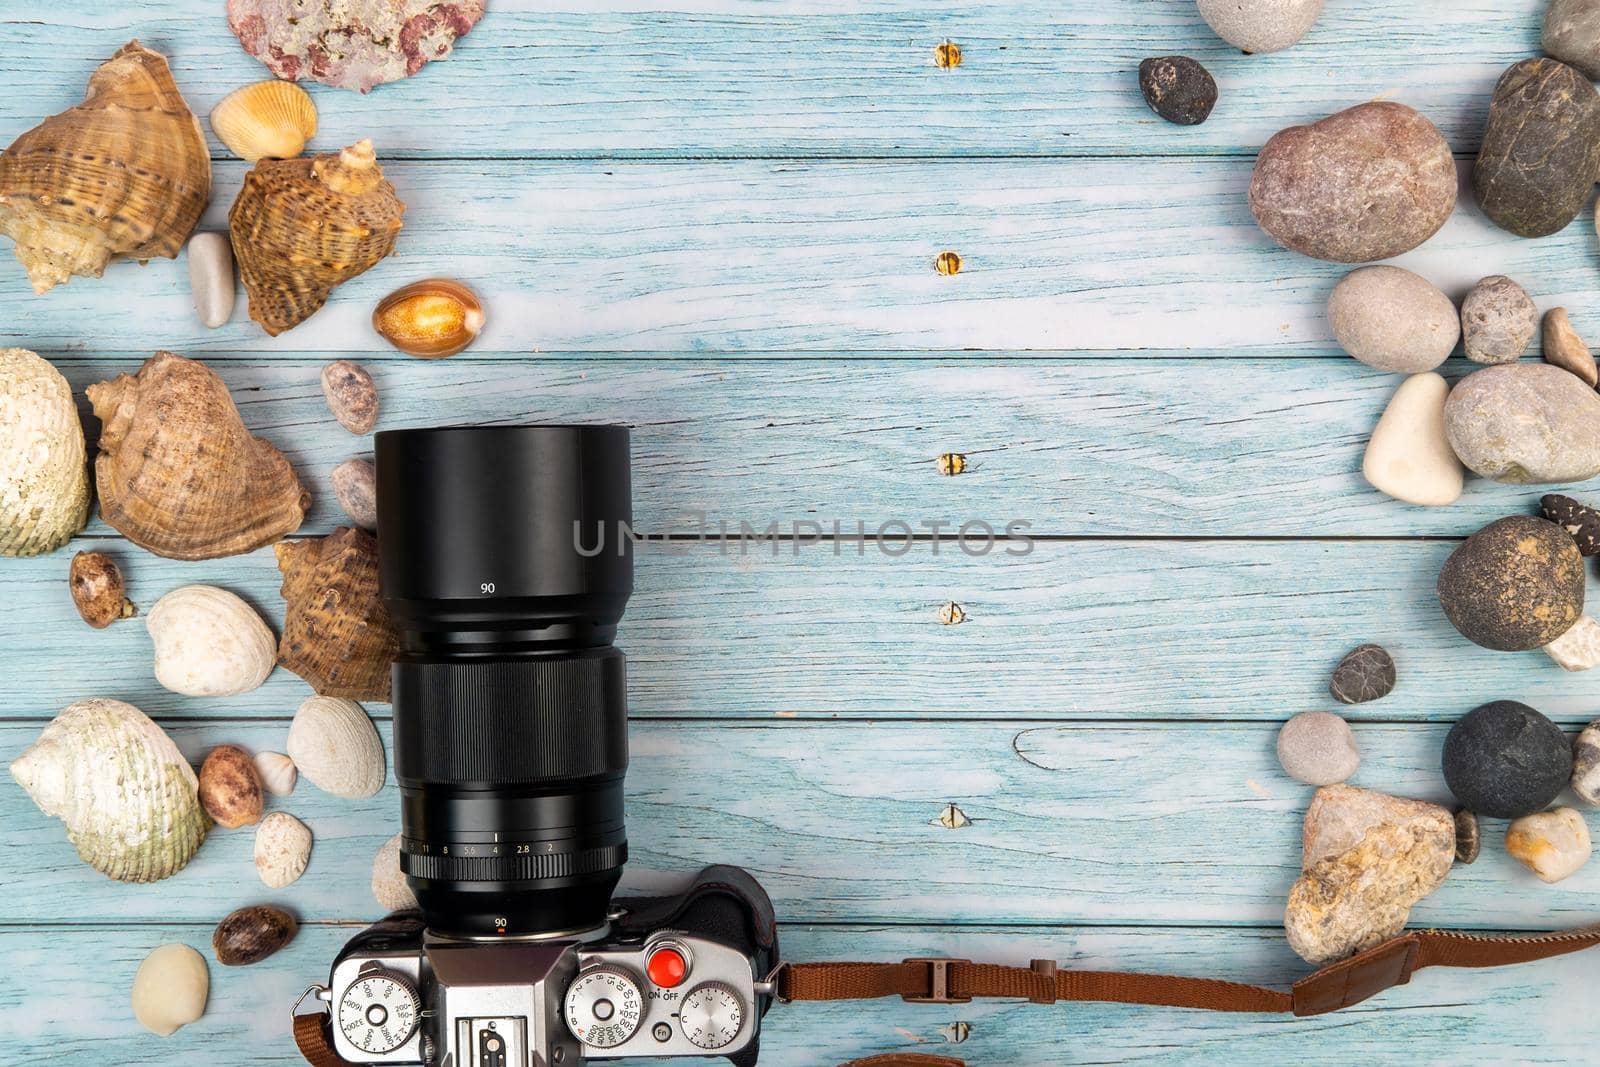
x=351, y=396
x=98, y=591
x=230, y=788
x=44, y=481
x=267, y=120
x=283, y=848
x=170, y=989
x=277, y=773
x=125, y=173
x=336, y=747
x=389, y=886
x=433, y=318
x=250, y=935
x=355, y=486
x=211, y=278
x=209, y=643
x=179, y=474
x=126, y=794
x=336, y=632
x=301, y=227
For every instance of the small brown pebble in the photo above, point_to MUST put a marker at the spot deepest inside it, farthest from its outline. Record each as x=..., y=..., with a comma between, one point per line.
x=351, y=396
x=250, y=935
x=230, y=788
x=948, y=263
x=1468, y=842
x=355, y=484
x=98, y=591
x=1565, y=349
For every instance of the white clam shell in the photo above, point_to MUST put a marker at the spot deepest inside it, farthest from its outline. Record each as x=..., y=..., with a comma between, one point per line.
x=170, y=989
x=389, y=886
x=209, y=643
x=44, y=473
x=283, y=848
x=336, y=747
x=126, y=794
x=277, y=772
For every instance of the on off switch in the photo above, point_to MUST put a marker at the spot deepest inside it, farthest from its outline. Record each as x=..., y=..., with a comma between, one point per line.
x=667, y=968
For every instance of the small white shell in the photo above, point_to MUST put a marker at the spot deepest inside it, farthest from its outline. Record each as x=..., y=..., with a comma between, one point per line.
x=44, y=473
x=209, y=643
x=170, y=989
x=283, y=848
x=336, y=747
x=389, y=886
x=277, y=772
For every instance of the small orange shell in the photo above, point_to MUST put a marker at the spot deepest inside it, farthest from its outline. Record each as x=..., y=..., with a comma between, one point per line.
x=433, y=318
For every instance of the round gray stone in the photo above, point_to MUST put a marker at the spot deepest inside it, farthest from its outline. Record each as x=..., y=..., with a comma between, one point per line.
x=1257, y=26
x=1498, y=319
x=1525, y=423
x=1393, y=320
x=1318, y=748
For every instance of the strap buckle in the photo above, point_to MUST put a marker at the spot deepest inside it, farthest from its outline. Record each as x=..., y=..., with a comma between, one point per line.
x=938, y=981
x=318, y=992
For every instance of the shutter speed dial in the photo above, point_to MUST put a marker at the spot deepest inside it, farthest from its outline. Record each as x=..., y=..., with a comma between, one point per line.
x=379, y=1012
x=711, y=1015
x=604, y=1007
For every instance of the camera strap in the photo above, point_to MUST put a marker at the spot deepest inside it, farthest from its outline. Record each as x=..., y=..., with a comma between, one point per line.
x=924, y=980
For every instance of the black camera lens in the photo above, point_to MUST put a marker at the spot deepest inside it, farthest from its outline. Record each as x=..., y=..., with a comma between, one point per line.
x=506, y=561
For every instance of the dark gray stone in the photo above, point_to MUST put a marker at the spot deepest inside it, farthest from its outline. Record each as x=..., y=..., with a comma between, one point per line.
x=1579, y=520
x=1178, y=89
x=1515, y=585
x=1506, y=760
x=1366, y=673
x=1541, y=148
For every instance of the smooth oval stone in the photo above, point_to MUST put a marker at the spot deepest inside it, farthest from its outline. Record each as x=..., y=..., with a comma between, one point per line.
x=1525, y=423
x=1565, y=349
x=1515, y=585
x=1551, y=844
x=1506, y=760
x=1541, y=148
x=1393, y=320
x=1369, y=182
x=1586, y=765
x=211, y=278
x=1572, y=34
x=1318, y=748
x=1366, y=673
x=1498, y=319
x=1409, y=457
x=1257, y=26
x=1579, y=520
x=1178, y=89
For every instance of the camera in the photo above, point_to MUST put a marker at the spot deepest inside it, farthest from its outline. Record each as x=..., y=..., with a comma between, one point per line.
x=505, y=562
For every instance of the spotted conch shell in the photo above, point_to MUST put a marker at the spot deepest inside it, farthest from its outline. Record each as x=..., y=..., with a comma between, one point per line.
x=303, y=226
x=44, y=475
x=128, y=797
x=125, y=173
x=336, y=633
x=178, y=472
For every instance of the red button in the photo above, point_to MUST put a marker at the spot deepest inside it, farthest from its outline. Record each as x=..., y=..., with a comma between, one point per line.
x=667, y=968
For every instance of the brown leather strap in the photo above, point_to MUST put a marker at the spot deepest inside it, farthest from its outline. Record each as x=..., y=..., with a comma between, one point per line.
x=311, y=1034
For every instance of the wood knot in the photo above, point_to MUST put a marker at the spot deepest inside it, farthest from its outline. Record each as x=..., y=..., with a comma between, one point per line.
x=952, y=818
x=952, y=614
x=952, y=463
x=947, y=54
x=948, y=263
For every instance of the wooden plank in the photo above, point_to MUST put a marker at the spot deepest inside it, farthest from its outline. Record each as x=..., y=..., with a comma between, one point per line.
x=1505, y=1015
x=842, y=823
x=1094, y=631
x=747, y=78
x=742, y=257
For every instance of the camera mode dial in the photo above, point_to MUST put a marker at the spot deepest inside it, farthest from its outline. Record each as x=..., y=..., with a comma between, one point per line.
x=604, y=1007
x=711, y=1015
x=379, y=1012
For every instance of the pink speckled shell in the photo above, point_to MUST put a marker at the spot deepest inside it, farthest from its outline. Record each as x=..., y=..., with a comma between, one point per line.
x=350, y=44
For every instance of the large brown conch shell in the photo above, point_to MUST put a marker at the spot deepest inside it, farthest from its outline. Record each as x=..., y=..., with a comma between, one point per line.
x=125, y=173
x=336, y=633
x=303, y=226
x=179, y=474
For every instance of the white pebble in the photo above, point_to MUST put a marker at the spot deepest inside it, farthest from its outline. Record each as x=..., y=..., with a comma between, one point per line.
x=211, y=278
x=1318, y=748
x=1551, y=844
x=1579, y=648
x=1409, y=456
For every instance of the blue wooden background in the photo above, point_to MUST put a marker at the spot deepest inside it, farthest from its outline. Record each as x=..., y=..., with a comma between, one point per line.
x=717, y=222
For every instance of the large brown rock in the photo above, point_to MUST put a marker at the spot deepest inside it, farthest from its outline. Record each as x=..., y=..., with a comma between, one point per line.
x=1541, y=148
x=1515, y=585
x=1369, y=182
x=1367, y=858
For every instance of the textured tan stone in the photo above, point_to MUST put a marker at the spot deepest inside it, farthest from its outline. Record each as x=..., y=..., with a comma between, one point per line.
x=1565, y=349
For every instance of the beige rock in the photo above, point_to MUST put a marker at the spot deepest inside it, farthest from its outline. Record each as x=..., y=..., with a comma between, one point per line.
x=1409, y=456
x=1565, y=349
x=1551, y=844
x=1393, y=320
x=1367, y=859
x=1579, y=648
x=1586, y=765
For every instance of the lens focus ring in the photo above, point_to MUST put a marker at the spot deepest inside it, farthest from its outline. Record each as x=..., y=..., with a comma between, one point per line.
x=512, y=867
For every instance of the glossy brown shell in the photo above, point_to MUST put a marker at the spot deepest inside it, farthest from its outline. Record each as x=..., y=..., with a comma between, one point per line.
x=301, y=227
x=336, y=633
x=125, y=173
x=179, y=474
x=250, y=935
x=98, y=591
x=430, y=319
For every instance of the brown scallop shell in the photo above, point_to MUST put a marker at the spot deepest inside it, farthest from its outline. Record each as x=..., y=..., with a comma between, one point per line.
x=300, y=227
x=125, y=173
x=179, y=474
x=336, y=633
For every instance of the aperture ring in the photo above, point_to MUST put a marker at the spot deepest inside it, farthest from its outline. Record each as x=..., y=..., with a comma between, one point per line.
x=511, y=868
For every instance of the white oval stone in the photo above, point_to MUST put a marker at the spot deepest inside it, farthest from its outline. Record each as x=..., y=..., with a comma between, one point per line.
x=1551, y=844
x=1257, y=26
x=170, y=989
x=211, y=278
x=1409, y=456
x=1393, y=320
x=1318, y=748
x=1586, y=765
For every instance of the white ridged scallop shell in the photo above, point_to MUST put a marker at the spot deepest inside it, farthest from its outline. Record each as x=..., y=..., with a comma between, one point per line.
x=389, y=886
x=44, y=474
x=126, y=794
x=209, y=643
x=277, y=772
x=283, y=848
x=336, y=747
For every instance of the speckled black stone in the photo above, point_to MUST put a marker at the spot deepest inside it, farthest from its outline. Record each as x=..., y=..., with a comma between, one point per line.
x=1579, y=520
x=1366, y=673
x=1515, y=585
x=1178, y=89
x=1506, y=760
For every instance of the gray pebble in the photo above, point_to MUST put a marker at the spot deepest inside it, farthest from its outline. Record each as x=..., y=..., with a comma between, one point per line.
x=1525, y=423
x=355, y=484
x=1366, y=673
x=1318, y=748
x=1260, y=25
x=1498, y=320
x=1468, y=841
x=211, y=278
x=351, y=396
x=1393, y=320
x=1572, y=34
